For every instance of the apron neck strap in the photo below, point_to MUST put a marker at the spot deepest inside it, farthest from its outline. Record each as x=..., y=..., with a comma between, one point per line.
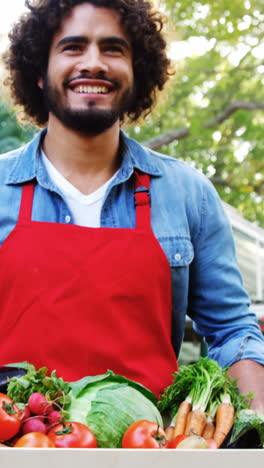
x=26, y=203
x=142, y=200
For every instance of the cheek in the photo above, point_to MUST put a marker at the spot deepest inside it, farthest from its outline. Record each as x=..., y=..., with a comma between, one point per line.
x=59, y=68
x=127, y=72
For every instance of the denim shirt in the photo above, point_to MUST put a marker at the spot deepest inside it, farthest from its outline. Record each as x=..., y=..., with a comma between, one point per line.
x=187, y=219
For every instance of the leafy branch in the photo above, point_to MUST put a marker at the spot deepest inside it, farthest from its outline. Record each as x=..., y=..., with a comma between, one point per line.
x=180, y=133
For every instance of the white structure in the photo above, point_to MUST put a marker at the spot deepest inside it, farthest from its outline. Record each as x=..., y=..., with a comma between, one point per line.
x=249, y=240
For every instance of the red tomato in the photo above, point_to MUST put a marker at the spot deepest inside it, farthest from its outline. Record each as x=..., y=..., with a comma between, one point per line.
x=176, y=440
x=34, y=440
x=72, y=434
x=9, y=418
x=211, y=443
x=144, y=434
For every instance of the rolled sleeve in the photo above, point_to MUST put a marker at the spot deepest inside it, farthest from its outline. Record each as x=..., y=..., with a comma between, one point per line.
x=218, y=302
x=250, y=346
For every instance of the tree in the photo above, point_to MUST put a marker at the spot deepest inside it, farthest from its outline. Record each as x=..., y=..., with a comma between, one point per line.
x=12, y=134
x=212, y=114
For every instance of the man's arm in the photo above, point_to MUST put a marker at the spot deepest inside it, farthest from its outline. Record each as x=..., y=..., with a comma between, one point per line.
x=219, y=304
x=250, y=377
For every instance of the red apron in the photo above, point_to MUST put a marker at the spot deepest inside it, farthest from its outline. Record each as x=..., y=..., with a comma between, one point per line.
x=83, y=300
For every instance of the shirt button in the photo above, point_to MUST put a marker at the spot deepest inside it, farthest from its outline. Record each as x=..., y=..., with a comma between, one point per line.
x=67, y=219
x=177, y=257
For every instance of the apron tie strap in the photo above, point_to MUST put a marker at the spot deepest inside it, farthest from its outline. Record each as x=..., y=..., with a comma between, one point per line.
x=26, y=203
x=142, y=200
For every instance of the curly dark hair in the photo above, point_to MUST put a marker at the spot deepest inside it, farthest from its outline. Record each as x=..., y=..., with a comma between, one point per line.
x=31, y=38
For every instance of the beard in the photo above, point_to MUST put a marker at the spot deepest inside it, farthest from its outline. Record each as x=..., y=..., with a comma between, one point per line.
x=91, y=121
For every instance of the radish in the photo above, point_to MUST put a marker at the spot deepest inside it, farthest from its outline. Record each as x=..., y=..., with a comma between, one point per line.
x=25, y=413
x=38, y=404
x=34, y=425
x=54, y=417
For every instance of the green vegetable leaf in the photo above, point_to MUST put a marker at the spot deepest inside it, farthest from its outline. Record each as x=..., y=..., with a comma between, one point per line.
x=55, y=388
x=23, y=365
x=204, y=382
x=245, y=422
x=80, y=385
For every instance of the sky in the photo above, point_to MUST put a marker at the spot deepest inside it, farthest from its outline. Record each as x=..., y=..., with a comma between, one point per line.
x=9, y=13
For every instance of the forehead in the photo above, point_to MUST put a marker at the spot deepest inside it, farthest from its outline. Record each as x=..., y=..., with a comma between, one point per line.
x=90, y=21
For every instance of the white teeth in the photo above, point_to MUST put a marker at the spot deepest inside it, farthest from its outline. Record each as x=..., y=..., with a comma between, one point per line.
x=91, y=89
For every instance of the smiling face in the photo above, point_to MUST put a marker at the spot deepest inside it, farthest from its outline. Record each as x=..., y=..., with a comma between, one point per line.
x=89, y=80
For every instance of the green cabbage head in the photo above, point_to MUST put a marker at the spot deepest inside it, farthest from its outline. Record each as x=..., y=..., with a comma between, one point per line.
x=108, y=404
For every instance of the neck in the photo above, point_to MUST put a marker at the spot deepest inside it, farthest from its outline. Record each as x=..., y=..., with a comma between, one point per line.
x=86, y=161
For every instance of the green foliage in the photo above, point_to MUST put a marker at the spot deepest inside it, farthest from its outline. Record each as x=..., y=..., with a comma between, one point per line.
x=12, y=134
x=37, y=380
x=203, y=384
x=226, y=67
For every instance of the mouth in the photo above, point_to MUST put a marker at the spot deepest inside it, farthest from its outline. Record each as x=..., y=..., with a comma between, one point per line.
x=91, y=86
x=90, y=89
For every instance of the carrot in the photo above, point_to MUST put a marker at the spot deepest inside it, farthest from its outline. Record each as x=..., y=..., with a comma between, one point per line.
x=209, y=429
x=169, y=432
x=197, y=422
x=224, y=420
x=181, y=417
x=188, y=421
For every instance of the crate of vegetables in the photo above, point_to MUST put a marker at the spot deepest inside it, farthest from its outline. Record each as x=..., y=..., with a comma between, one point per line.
x=110, y=421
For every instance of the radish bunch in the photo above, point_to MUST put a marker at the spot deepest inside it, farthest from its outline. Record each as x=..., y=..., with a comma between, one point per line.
x=39, y=415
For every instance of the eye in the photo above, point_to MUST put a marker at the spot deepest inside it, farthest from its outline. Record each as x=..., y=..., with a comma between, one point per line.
x=72, y=48
x=114, y=49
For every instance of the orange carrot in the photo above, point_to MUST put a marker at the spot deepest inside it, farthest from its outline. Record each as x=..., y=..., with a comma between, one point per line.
x=197, y=422
x=169, y=432
x=188, y=421
x=181, y=417
x=224, y=420
x=209, y=429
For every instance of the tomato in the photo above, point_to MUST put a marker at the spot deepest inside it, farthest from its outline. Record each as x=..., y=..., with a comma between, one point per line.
x=211, y=443
x=144, y=434
x=9, y=418
x=72, y=434
x=34, y=440
x=176, y=440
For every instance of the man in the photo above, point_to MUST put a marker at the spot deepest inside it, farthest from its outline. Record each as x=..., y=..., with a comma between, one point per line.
x=105, y=244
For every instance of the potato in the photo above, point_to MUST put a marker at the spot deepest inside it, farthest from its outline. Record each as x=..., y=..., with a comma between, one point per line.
x=193, y=442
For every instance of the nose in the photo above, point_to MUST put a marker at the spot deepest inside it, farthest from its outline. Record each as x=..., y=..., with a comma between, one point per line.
x=92, y=61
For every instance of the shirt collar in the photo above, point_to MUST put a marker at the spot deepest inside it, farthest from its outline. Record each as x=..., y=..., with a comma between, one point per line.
x=26, y=164
x=135, y=155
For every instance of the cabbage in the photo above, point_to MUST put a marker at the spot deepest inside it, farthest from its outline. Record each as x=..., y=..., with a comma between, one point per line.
x=108, y=404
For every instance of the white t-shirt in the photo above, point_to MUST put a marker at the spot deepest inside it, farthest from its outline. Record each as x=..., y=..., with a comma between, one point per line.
x=86, y=209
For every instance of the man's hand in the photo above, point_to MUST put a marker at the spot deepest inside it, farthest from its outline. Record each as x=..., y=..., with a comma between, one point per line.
x=250, y=378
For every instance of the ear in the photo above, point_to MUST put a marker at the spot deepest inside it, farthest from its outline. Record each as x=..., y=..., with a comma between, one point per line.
x=40, y=83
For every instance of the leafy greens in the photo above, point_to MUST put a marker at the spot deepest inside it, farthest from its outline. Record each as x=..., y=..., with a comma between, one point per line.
x=19, y=389
x=204, y=383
